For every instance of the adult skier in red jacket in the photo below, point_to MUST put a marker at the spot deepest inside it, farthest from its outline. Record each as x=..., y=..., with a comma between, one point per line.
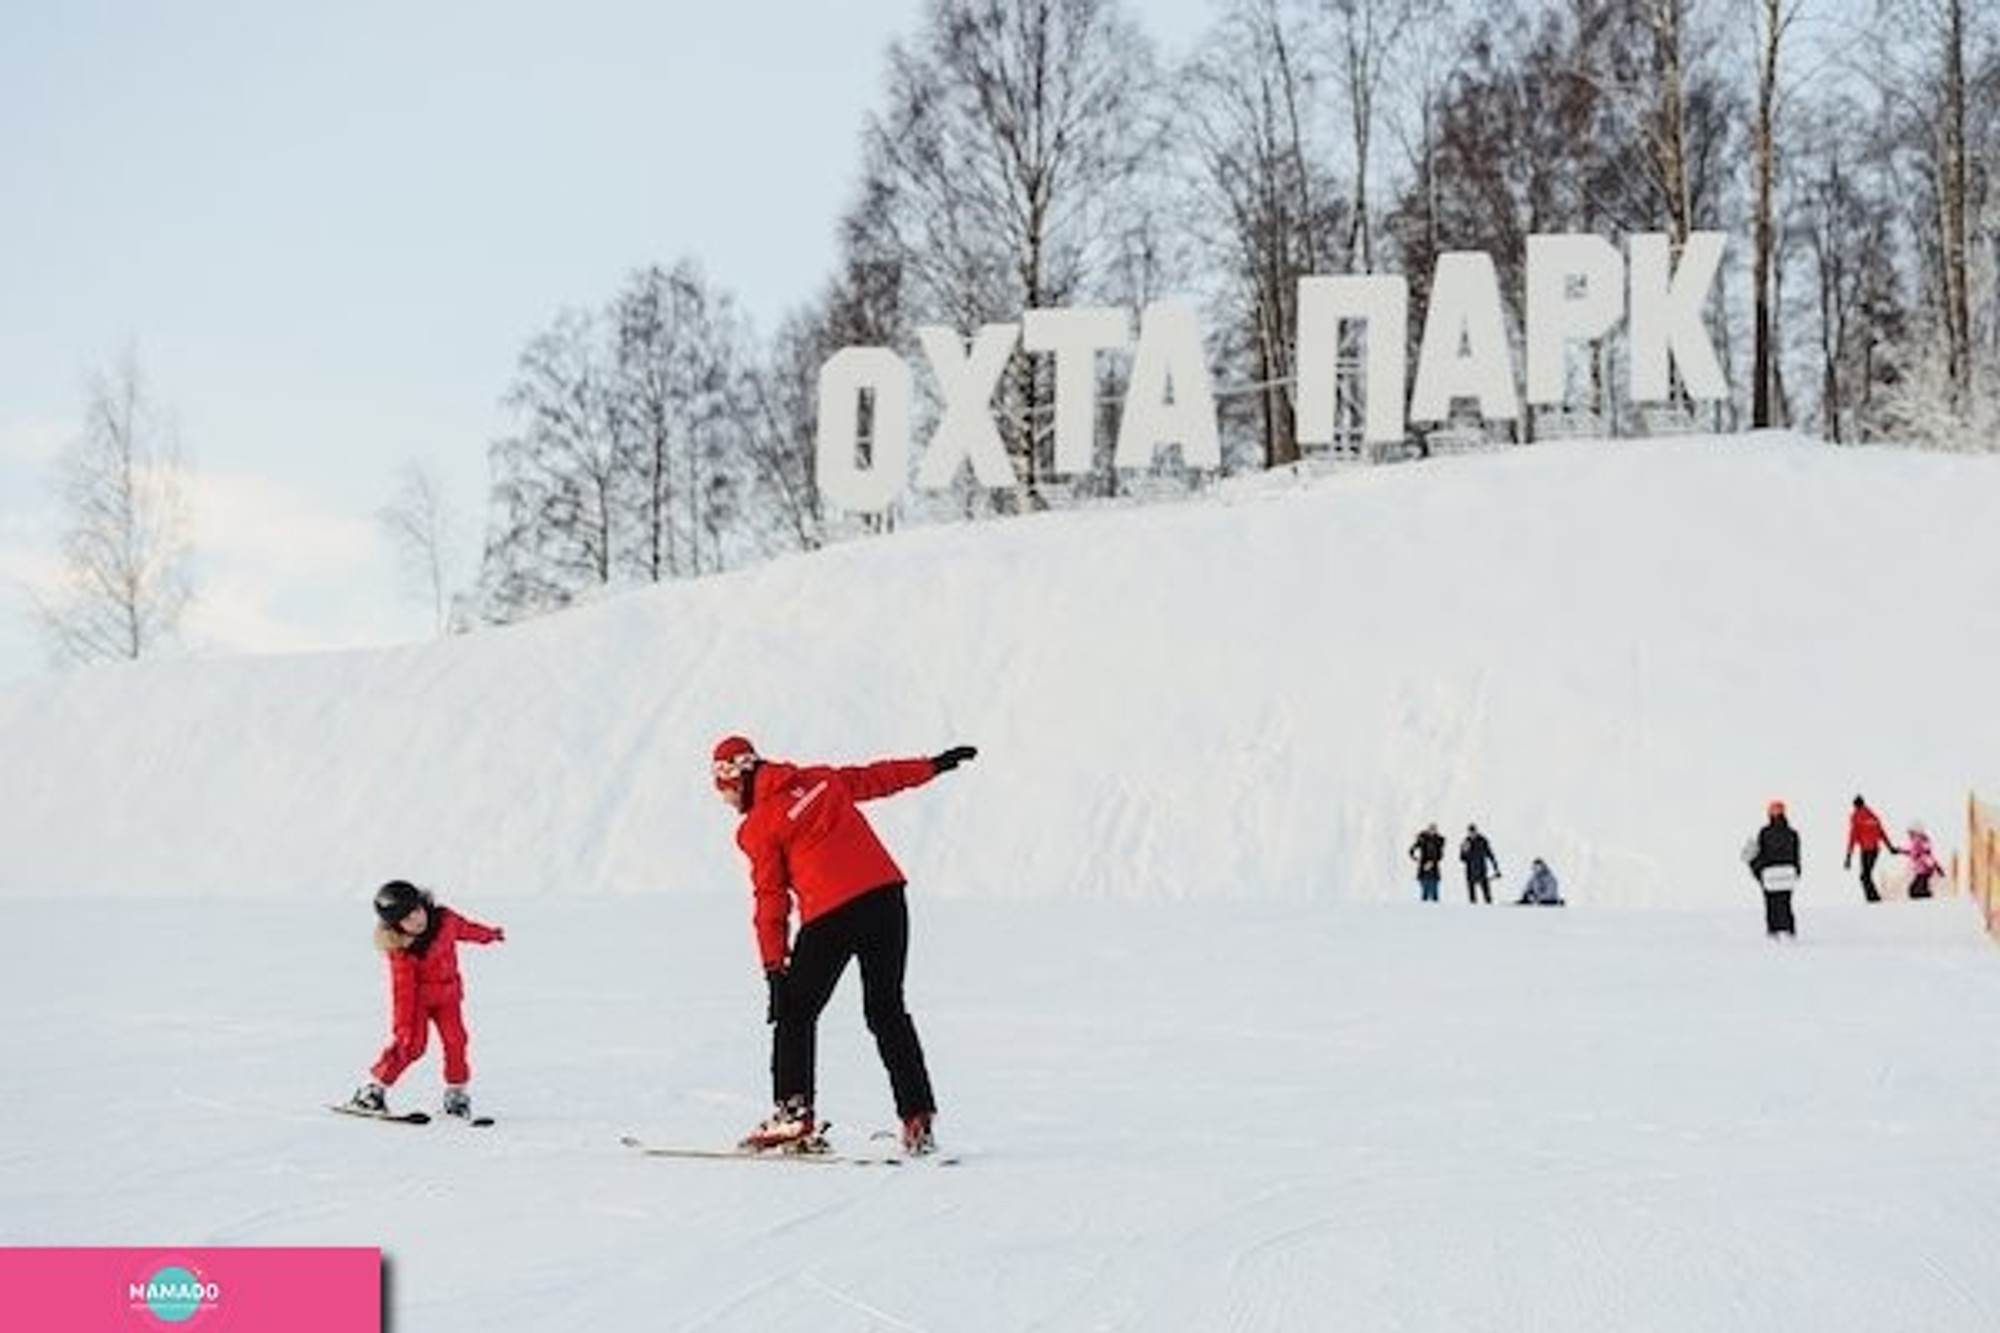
x=420, y=939
x=809, y=844
x=1866, y=835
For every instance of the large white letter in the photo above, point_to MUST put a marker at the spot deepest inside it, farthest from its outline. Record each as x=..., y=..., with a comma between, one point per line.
x=1666, y=317
x=1075, y=337
x=847, y=375
x=966, y=430
x=1558, y=314
x=1465, y=352
x=1380, y=301
x=1168, y=399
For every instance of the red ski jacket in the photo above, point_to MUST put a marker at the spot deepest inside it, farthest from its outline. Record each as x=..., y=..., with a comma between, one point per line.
x=1864, y=831
x=419, y=985
x=807, y=839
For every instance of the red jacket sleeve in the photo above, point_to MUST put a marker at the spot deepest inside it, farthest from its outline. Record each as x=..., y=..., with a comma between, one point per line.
x=771, y=897
x=886, y=777
x=475, y=932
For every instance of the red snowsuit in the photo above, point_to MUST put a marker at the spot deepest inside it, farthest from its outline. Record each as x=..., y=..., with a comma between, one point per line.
x=804, y=837
x=426, y=988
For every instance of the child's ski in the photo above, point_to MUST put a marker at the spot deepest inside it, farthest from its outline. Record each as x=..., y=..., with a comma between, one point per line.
x=394, y=1117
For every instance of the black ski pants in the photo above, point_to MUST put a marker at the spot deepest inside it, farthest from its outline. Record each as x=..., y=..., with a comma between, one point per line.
x=873, y=930
x=1778, y=913
x=1868, y=889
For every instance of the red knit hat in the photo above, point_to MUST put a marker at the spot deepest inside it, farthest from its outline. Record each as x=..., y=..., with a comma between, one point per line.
x=734, y=756
x=1775, y=809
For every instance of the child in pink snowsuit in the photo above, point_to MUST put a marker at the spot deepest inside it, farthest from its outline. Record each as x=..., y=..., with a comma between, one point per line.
x=1923, y=861
x=420, y=939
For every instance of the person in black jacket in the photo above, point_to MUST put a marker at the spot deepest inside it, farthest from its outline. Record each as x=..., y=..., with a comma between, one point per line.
x=1428, y=852
x=1480, y=865
x=1773, y=857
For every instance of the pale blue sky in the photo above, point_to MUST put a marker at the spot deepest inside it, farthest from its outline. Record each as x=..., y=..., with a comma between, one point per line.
x=329, y=229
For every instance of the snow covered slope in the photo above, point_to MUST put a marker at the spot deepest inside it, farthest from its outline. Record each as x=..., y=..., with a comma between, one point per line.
x=1607, y=654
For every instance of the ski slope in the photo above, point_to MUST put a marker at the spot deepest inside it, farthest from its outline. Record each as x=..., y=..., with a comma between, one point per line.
x=1212, y=1066
x=1185, y=1117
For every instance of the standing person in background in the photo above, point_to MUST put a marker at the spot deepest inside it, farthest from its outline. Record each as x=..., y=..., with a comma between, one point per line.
x=1773, y=857
x=1428, y=852
x=1923, y=860
x=1866, y=835
x=1480, y=865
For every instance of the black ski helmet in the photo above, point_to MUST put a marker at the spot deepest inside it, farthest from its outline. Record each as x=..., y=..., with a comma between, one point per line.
x=397, y=899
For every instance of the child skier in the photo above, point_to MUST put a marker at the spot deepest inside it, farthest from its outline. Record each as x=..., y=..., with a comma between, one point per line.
x=1924, y=864
x=420, y=940
x=808, y=842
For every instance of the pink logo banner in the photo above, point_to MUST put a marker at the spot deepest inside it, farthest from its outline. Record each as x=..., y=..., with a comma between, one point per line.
x=208, y=1290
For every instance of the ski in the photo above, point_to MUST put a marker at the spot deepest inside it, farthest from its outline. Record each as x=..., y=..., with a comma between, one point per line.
x=935, y=1157
x=472, y=1122
x=824, y=1155
x=828, y=1156
x=393, y=1117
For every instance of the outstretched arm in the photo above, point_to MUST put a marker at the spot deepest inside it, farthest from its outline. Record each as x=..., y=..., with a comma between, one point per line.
x=886, y=777
x=478, y=932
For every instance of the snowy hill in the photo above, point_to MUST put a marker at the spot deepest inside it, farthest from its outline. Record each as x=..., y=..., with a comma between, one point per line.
x=1210, y=1064
x=1610, y=655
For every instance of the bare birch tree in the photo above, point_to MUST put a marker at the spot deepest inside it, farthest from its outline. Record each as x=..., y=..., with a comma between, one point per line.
x=1774, y=19
x=422, y=530
x=1253, y=102
x=128, y=545
x=1013, y=132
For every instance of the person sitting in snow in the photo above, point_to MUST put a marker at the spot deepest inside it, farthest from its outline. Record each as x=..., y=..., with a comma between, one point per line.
x=1924, y=865
x=420, y=939
x=1542, y=889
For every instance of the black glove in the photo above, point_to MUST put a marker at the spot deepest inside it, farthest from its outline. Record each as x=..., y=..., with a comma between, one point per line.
x=774, y=981
x=952, y=758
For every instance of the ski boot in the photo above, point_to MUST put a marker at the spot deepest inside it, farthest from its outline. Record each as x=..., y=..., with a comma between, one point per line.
x=917, y=1139
x=456, y=1102
x=789, y=1128
x=372, y=1098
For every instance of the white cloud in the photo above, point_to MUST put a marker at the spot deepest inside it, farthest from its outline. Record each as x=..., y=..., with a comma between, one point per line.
x=30, y=442
x=278, y=573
